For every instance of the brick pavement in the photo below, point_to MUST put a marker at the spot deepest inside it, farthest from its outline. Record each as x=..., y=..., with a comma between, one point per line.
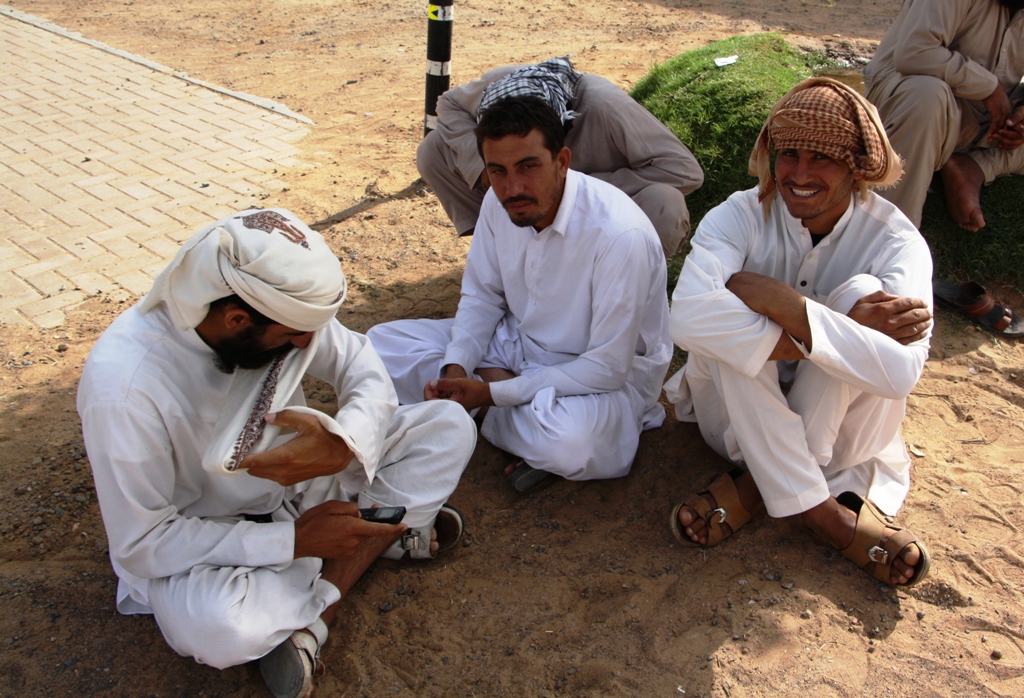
x=107, y=165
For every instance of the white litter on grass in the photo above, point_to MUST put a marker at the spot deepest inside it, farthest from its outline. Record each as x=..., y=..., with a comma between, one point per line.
x=728, y=60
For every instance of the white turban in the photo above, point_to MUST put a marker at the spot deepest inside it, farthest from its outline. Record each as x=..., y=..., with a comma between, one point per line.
x=284, y=270
x=271, y=259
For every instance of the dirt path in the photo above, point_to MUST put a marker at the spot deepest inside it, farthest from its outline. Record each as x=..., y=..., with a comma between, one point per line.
x=578, y=589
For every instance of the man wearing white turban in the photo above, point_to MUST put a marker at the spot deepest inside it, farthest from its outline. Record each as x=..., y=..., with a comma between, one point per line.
x=799, y=308
x=241, y=541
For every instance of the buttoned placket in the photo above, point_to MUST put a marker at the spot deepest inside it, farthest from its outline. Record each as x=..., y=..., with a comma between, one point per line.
x=808, y=270
x=807, y=273
x=534, y=256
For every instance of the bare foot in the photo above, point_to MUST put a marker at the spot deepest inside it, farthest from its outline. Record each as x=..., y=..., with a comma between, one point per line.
x=697, y=528
x=836, y=524
x=962, y=179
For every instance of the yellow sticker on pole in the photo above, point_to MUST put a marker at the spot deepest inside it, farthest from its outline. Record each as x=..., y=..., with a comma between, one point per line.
x=440, y=13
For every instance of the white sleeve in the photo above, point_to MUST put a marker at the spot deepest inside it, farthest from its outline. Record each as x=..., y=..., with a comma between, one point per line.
x=134, y=469
x=483, y=303
x=366, y=396
x=862, y=357
x=866, y=358
x=707, y=318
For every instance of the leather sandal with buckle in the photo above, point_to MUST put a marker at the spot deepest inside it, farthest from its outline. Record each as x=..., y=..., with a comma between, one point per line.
x=289, y=669
x=979, y=306
x=867, y=550
x=729, y=511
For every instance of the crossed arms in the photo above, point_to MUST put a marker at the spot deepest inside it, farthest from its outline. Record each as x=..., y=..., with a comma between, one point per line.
x=905, y=320
x=729, y=305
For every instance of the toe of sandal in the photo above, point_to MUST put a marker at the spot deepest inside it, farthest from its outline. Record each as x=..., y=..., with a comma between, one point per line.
x=868, y=550
x=728, y=512
x=449, y=526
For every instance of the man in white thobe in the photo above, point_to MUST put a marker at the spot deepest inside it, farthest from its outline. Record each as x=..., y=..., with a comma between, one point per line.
x=612, y=137
x=563, y=317
x=798, y=306
x=239, y=541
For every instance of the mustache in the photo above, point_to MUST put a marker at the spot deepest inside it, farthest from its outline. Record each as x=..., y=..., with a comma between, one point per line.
x=518, y=199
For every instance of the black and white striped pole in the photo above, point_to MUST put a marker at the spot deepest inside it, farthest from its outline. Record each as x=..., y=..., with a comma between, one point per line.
x=439, y=58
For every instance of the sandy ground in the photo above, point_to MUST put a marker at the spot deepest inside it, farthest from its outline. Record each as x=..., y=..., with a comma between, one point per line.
x=578, y=589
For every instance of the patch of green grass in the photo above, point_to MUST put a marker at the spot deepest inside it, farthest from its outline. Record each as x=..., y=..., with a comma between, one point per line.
x=718, y=113
x=993, y=254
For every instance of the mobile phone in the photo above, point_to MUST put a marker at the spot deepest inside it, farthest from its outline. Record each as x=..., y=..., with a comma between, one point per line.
x=386, y=515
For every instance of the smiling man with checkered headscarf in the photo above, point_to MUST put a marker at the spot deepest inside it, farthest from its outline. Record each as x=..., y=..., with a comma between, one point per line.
x=800, y=308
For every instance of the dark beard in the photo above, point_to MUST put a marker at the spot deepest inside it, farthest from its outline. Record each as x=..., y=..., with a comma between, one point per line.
x=243, y=351
x=525, y=222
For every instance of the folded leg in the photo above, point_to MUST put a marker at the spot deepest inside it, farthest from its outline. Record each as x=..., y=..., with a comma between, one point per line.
x=224, y=616
x=823, y=438
x=436, y=164
x=426, y=449
x=579, y=437
x=665, y=206
x=412, y=352
x=997, y=162
x=748, y=420
x=923, y=121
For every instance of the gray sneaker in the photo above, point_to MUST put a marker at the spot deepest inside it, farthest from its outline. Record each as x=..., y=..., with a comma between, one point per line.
x=289, y=668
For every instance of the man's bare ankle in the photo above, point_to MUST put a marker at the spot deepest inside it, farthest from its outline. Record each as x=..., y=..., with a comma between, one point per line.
x=832, y=522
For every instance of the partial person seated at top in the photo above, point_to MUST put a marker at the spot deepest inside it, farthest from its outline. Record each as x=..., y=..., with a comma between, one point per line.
x=805, y=308
x=611, y=136
x=561, y=335
x=238, y=540
x=947, y=83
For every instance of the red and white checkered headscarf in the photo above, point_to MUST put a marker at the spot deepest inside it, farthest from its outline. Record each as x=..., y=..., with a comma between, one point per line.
x=826, y=116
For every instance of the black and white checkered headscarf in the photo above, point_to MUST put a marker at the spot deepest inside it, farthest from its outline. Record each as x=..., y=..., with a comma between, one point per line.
x=554, y=81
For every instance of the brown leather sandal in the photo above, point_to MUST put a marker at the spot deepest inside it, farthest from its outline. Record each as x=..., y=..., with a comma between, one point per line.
x=867, y=550
x=979, y=306
x=729, y=511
